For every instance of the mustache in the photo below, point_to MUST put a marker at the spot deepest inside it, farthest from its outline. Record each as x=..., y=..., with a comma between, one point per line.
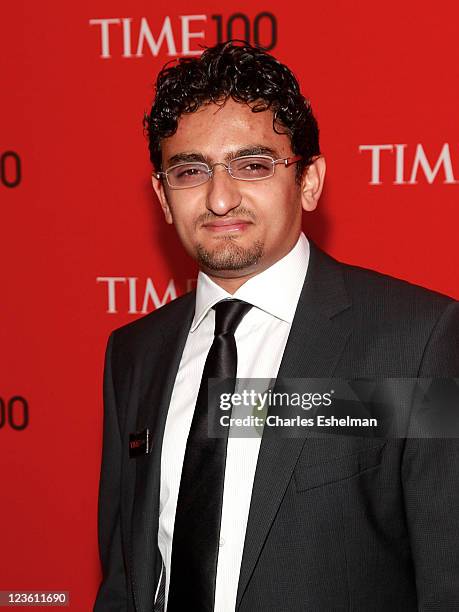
x=240, y=213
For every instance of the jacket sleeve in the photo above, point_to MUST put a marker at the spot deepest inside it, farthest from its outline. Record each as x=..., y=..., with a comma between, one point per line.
x=431, y=484
x=112, y=594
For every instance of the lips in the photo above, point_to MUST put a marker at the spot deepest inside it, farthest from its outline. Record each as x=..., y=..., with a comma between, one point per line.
x=227, y=225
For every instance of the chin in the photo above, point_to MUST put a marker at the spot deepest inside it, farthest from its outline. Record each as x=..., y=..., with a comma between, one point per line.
x=229, y=256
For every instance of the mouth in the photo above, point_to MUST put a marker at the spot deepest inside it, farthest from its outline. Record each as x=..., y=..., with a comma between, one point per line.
x=227, y=225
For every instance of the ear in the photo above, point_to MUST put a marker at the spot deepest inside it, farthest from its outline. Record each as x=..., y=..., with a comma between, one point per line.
x=312, y=183
x=158, y=188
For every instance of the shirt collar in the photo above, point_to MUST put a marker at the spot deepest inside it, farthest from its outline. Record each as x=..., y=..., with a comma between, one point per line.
x=276, y=290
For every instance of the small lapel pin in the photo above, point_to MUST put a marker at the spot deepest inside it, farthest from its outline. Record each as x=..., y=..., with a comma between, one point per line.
x=139, y=443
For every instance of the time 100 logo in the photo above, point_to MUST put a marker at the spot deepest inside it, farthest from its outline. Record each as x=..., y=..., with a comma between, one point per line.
x=262, y=31
x=10, y=169
x=14, y=413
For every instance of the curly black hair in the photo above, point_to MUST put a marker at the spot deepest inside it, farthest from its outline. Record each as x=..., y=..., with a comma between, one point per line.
x=245, y=73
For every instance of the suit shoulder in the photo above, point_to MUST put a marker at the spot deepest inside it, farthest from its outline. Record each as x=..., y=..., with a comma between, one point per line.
x=156, y=322
x=393, y=295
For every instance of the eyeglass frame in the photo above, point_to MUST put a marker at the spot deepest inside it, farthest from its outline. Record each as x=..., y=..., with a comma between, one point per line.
x=287, y=161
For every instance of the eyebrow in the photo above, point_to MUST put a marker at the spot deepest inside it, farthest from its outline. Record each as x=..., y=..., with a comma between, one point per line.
x=180, y=158
x=194, y=156
x=253, y=150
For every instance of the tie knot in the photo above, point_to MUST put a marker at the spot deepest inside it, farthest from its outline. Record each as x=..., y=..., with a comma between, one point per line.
x=228, y=315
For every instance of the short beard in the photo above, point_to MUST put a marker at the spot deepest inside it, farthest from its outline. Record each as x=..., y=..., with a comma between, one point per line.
x=229, y=255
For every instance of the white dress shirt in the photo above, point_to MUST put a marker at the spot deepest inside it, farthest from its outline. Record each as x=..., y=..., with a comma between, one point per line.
x=260, y=338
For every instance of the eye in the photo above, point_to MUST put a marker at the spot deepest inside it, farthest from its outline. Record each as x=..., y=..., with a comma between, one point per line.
x=252, y=167
x=186, y=175
x=189, y=172
x=255, y=167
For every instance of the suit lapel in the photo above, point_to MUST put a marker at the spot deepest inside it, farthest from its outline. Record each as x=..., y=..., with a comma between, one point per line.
x=158, y=372
x=319, y=332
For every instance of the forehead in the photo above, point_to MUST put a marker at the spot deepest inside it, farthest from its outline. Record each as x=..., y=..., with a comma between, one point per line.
x=215, y=130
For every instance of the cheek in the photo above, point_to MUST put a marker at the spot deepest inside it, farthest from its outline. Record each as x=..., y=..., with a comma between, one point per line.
x=276, y=205
x=187, y=207
x=184, y=221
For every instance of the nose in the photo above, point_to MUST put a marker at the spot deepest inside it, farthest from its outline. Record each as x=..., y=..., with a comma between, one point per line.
x=223, y=191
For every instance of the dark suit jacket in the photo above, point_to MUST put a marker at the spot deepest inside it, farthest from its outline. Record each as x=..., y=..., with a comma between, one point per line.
x=335, y=524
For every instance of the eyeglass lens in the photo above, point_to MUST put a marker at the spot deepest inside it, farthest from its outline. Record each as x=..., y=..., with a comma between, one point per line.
x=244, y=168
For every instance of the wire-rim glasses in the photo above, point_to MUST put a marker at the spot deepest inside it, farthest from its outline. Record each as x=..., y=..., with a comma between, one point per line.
x=244, y=168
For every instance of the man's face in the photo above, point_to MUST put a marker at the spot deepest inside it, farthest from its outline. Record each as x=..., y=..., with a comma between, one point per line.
x=235, y=228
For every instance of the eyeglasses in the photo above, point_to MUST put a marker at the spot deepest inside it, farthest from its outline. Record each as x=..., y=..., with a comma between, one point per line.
x=245, y=168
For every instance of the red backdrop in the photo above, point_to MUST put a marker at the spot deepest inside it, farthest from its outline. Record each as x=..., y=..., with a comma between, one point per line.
x=84, y=248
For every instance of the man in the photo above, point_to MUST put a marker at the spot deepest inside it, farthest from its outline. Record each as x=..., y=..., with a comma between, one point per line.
x=277, y=524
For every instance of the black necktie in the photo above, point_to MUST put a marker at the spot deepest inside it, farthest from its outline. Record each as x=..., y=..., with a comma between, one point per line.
x=199, y=505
